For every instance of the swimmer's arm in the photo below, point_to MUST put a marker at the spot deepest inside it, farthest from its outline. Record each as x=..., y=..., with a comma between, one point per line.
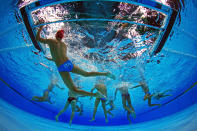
x=92, y=91
x=135, y=87
x=40, y=39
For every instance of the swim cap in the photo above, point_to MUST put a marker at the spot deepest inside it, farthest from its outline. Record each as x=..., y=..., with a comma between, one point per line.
x=60, y=34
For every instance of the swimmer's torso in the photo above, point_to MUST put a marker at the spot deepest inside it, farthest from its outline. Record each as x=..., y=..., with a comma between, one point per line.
x=123, y=90
x=58, y=51
x=102, y=88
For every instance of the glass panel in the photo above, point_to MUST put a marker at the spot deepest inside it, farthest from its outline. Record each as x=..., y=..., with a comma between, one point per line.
x=99, y=10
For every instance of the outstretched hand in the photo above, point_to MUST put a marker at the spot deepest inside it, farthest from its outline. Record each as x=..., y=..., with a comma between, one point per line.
x=48, y=58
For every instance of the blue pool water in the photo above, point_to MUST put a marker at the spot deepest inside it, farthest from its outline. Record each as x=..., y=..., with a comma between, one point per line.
x=22, y=77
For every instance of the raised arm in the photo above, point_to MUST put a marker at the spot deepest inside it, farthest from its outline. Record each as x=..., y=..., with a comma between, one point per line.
x=135, y=86
x=39, y=38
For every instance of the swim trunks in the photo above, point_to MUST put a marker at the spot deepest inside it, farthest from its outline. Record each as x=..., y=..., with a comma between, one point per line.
x=148, y=93
x=126, y=95
x=66, y=66
x=46, y=90
x=70, y=99
x=103, y=99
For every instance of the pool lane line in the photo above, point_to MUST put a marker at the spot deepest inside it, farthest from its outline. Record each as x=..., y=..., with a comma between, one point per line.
x=194, y=85
x=25, y=97
x=14, y=48
x=180, y=53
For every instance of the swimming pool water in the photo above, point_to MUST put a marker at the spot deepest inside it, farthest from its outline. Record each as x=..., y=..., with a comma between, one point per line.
x=22, y=76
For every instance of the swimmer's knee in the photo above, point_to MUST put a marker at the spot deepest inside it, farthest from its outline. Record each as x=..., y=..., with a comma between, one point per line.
x=95, y=106
x=75, y=89
x=124, y=107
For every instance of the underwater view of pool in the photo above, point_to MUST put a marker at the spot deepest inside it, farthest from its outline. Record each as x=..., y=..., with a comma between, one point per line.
x=150, y=44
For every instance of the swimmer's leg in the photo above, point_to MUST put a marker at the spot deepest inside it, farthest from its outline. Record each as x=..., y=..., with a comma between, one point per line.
x=69, y=83
x=97, y=101
x=62, y=111
x=49, y=100
x=46, y=97
x=37, y=99
x=124, y=105
x=105, y=111
x=77, y=109
x=81, y=111
x=73, y=104
x=109, y=112
x=128, y=117
x=150, y=104
x=147, y=95
x=130, y=105
x=79, y=71
x=45, y=94
x=194, y=84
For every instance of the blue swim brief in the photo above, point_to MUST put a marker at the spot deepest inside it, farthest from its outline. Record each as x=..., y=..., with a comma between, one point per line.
x=46, y=90
x=66, y=66
x=148, y=93
x=103, y=99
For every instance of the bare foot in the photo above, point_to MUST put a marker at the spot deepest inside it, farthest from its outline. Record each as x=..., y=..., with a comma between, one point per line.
x=130, y=121
x=106, y=120
x=70, y=122
x=111, y=75
x=56, y=118
x=33, y=99
x=133, y=114
x=93, y=119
